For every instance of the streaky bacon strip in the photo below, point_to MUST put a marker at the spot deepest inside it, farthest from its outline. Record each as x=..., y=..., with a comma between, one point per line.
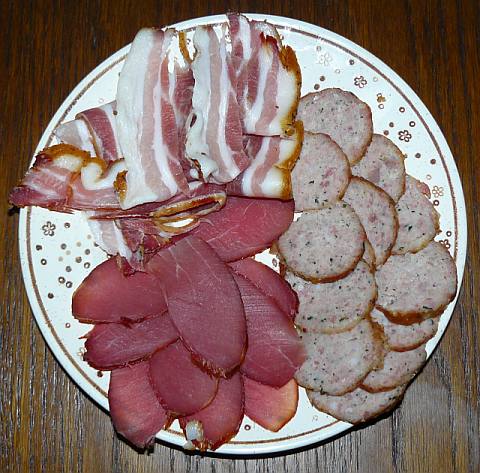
x=269, y=77
x=106, y=295
x=270, y=407
x=272, y=159
x=203, y=302
x=217, y=423
x=76, y=133
x=135, y=410
x=115, y=345
x=181, y=386
x=103, y=130
x=214, y=134
x=245, y=226
x=269, y=283
x=147, y=123
x=275, y=351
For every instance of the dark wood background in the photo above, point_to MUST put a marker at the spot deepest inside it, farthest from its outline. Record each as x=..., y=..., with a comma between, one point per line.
x=46, y=423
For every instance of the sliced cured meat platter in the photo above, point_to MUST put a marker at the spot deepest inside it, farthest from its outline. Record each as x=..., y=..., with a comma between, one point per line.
x=404, y=170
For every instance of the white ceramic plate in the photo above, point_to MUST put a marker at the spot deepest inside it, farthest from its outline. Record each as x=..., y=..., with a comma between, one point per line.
x=57, y=251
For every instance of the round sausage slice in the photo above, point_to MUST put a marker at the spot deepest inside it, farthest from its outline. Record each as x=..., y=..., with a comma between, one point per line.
x=342, y=116
x=405, y=337
x=399, y=367
x=337, y=363
x=336, y=306
x=383, y=164
x=357, y=406
x=369, y=254
x=323, y=245
x=418, y=221
x=416, y=286
x=376, y=211
x=321, y=174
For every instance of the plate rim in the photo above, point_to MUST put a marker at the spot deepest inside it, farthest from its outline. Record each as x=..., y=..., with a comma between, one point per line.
x=274, y=446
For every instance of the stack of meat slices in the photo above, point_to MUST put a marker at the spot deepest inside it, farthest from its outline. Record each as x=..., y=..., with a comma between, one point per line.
x=371, y=281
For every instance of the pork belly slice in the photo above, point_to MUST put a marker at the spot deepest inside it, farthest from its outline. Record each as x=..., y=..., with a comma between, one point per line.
x=357, y=406
x=181, y=386
x=269, y=282
x=115, y=345
x=270, y=407
x=413, y=287
x=220, y=421
x=146, y=122
x=106, y=295
x=418, y=221
x=245, y=226
x=272, y=159
x=135, y=410
x=269, y=77
x=274, y=351
x=76, y=133
x=214, y=134
x=204, y=303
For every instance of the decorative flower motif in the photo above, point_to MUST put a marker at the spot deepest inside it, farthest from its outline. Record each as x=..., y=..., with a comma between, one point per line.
x=381, y=98
x=324, y=59
x=360, y=82
x=437, y=191
x=445, y=243
x=404, y=135
x=49, y=229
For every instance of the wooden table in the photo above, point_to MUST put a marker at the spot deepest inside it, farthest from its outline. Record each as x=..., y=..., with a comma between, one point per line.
x=46, y=423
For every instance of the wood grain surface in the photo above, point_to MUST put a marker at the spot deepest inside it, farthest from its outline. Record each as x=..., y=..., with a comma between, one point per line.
x=46, y=423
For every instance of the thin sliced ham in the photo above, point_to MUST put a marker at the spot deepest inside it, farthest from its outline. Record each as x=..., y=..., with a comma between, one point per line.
x=269, y=407
x=217, y=423
x=106, y=295
x=204, y=303
x=269, y=77
x=274, y=350
x=214, y=134
x=146, y=122
x=181, y=386
x=269, y=283
x=136, y=412
x=245, y=226
x=115, y=345
x=272, y=159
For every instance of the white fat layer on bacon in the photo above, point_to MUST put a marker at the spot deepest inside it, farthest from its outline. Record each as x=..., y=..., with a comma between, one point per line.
x=245, y=35
x=108, y=236
x=197, y=145
x=75, y=133
x=93, y=177
x=69, y=162
x=131, y=120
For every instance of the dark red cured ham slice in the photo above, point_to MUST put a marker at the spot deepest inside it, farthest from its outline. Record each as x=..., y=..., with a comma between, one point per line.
x=115, y=345
x=181, y=386
x=106, y=295
x=217, y=423
x=203, y=302
x=136, y=412
x=274, y=351
x=269, y=283
x=270, y=407
x=245, y=226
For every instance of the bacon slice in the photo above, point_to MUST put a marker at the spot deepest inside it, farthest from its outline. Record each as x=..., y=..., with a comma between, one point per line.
x=274, y=350
x=181, y=386
x=146, y=121
x=106, y=295
x=245, y=226
x=269, y=172
x=269, y=407
x=214, y=136
x=115, y=345
x=217, y=423
x=203, y=302
x=269, y=77
x=136, y=413
x=269, y=282
x=76, y=133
